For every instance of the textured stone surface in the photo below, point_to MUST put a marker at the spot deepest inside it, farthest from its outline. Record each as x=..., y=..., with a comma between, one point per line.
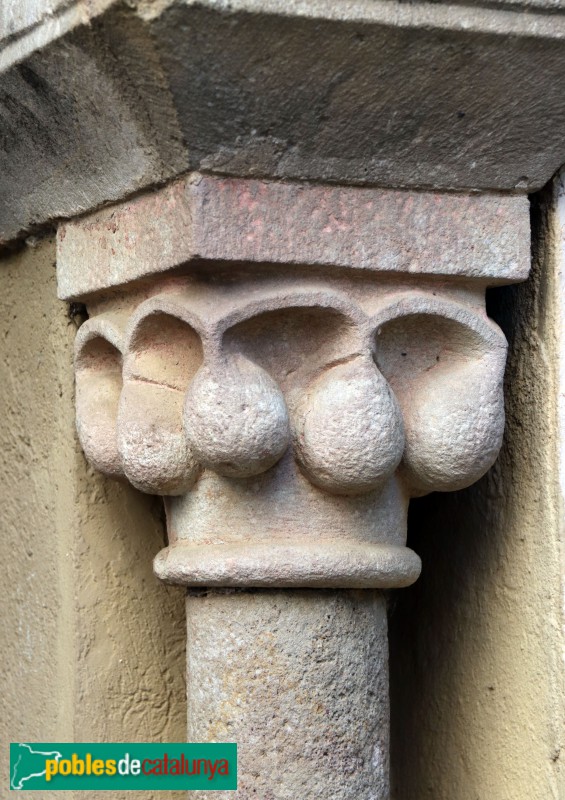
x=206, y=218
x=36, y=408
x=91, y=645
x=486, y=612
x=477, y=679
x=350, y=433
x=29, y=24
x=100, y=127
x=403, y=94
x=299, y=680
x=18, y=17
x=292, y=563
x=256, y=441
x=98, y=103
x=288, y=412
x=235, y=418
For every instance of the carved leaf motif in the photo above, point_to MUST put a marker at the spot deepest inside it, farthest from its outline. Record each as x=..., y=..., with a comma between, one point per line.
x=447, y=375
x=151, y=440
x=350, y=437
x=98, y=385
x=454, y=426
x=236, y=419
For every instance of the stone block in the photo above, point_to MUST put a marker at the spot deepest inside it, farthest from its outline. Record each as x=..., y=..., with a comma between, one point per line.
x=101, y=100
x=209, y=219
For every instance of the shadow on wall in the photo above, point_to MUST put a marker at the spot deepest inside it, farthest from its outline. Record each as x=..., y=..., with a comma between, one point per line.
x=476, y=674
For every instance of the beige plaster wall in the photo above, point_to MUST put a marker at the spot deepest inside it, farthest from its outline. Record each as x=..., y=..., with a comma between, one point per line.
x=477, y=643
x=91, y=645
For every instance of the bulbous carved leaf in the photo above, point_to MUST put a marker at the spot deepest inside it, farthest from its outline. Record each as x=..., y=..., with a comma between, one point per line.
x=98, y=363
x=446, y=367
x=236, y=419
x=350, y=437
x=155, y=454
x=454, y=425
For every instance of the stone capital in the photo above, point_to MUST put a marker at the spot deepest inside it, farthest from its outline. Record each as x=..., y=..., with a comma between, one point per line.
x=287, y=365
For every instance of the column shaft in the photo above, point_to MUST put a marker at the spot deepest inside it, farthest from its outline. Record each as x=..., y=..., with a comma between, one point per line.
x=299, y=679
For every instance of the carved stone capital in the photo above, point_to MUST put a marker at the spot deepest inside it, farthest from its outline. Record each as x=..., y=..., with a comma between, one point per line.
x=287, y=365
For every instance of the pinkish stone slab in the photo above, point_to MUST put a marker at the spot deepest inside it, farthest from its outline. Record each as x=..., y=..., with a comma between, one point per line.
x=205, y=218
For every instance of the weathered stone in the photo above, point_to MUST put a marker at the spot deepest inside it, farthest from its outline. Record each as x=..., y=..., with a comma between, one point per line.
x=99, y=102
x=288, y=416
x=288, y=410
x=477, y=679
x=300, y=681
x=26, y=25
x=83, y=124
x=427, y=95
x=210, y=219
x=403, y=398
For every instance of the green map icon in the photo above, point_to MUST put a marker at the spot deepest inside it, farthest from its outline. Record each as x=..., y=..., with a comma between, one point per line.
x=28, y=765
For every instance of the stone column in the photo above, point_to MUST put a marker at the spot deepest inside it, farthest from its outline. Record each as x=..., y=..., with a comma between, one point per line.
x=299, y=679
x=287, y=365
